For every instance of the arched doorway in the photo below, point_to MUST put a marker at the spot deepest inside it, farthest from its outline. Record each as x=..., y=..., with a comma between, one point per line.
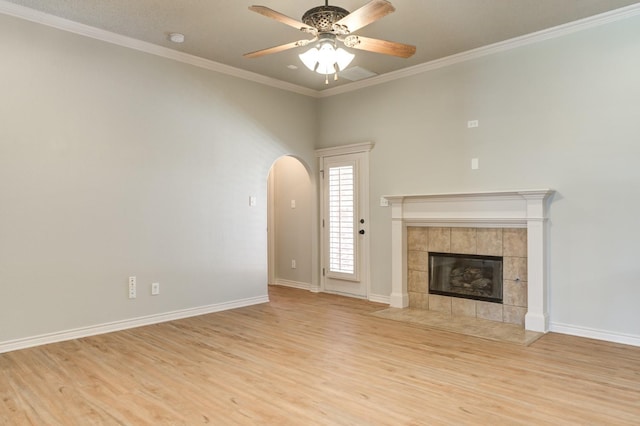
x=290, y=216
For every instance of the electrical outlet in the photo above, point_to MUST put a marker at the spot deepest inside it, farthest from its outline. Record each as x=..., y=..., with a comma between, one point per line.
x=293, y=264
x=132, y=287
x=155, y=289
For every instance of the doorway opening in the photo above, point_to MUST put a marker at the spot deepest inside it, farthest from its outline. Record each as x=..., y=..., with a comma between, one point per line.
x=290, y=217
x=344, y=207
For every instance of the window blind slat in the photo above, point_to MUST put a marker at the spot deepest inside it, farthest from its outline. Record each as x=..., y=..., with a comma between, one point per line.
x=341, y=219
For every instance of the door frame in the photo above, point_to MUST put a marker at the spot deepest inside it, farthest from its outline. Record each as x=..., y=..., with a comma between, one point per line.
x=321, y=154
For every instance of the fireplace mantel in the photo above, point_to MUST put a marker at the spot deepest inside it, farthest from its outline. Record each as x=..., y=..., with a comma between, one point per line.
x=496, y=209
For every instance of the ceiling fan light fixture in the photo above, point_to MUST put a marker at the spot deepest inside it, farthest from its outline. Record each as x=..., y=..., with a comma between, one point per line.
x=329, y=25
x=325, y=58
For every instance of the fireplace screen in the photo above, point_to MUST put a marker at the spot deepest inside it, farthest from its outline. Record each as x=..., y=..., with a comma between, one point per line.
x=466, y=275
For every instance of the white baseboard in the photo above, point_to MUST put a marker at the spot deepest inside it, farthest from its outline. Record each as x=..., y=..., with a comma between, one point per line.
x=60, y=336
x=294, y=284
x=379, y=298
x=591, y=333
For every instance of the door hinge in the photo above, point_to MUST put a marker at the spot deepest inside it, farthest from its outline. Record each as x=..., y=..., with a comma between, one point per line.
x=322, y=174
x=323, y=223
x=323, y=272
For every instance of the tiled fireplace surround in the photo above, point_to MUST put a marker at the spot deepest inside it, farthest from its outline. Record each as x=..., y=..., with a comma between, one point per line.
x=509, y=243
x=511, y=224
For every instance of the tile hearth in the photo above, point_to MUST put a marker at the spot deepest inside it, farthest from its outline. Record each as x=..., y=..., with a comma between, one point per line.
x=476, y=327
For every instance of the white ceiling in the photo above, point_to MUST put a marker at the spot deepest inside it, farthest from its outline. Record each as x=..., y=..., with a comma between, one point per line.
x=222, y=30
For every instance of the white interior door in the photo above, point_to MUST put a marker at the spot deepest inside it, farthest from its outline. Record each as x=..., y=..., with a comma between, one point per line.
x=345, y=221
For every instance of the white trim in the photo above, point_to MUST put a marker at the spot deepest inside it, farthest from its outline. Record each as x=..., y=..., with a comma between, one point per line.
x=379, y=298
x=109, y=37
x=340, y=293
x=355, y=148
x=60, y=336
x=486, y=195
x=592, y=333
x=514, y=43
x=63, y=24
x=362, y=152
x=471, y=222
x=489, y=209
x=292, y=284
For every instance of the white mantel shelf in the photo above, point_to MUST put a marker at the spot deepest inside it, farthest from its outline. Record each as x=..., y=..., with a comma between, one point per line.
x=491, y=209
x=511, y=192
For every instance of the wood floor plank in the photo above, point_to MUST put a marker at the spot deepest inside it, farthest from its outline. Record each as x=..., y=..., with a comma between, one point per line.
x=310, y=359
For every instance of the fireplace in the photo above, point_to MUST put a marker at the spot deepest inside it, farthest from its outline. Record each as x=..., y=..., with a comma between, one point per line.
x=524, y=211
x=464, y=275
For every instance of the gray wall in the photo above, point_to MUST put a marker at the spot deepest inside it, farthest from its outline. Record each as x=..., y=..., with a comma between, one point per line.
x=293, y=226
x=563, y=114
x=116, y=163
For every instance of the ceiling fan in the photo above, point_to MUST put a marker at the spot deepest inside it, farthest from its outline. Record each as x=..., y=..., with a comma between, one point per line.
x=329, y=25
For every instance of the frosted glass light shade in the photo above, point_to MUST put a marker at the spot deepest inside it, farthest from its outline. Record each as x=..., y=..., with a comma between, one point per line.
x=325, y=58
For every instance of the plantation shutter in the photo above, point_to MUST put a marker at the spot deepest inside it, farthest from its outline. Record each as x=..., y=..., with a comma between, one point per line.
x=342, y=222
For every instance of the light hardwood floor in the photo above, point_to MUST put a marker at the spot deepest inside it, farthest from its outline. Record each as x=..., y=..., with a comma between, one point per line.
x=306, y=359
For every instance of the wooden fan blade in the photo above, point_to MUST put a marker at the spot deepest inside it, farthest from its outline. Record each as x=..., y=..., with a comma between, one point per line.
x=367, y=14
x=277, y=49
x=380, y=46
x=270, y=13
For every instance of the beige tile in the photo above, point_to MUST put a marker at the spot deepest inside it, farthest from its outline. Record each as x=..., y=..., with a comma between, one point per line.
x=417, y=260
x=440, y=303
x=489, y=241
x=463, y=307
x=440, y=240
x=417, y=281
x=514, y=293
x=425, y=302
x=418, y=300
x=413, y=299
x=514, y=242
x=489, y=311
x=463, y=240
x=417, y=238
x=496, y=331
x=514, y=315
x=514, y=267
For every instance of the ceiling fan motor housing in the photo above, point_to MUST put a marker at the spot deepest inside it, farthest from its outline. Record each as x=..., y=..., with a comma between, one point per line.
x=323, y=17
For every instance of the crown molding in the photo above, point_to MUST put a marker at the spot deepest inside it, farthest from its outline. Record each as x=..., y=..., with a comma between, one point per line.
x=514, y=43
x=32, y=15
x=57, y=22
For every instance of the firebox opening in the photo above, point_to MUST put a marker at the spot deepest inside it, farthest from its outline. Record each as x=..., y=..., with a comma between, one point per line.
x=466, y=275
